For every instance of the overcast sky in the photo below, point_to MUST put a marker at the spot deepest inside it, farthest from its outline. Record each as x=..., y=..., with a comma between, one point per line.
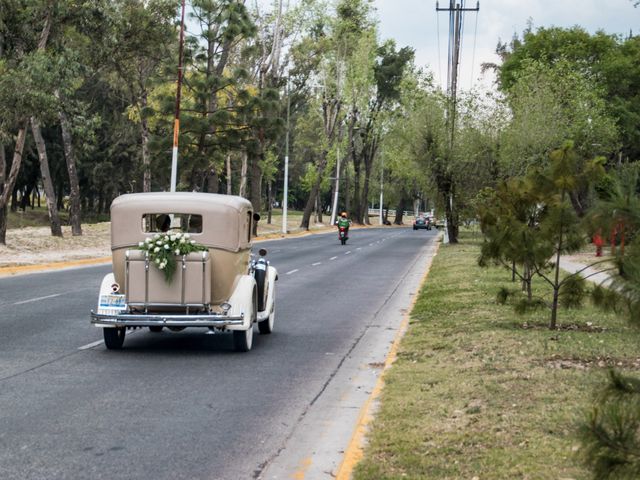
x=415, y=23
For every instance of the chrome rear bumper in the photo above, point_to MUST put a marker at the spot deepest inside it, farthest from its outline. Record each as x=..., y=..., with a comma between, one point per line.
x=164, y=320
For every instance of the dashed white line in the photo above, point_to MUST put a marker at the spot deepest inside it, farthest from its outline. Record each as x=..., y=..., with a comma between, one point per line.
x=359, y=248
x=38, y=298
x=347, y=253
x=291, y=271
x=317, y=263
x=90, y=345
x=333, y=258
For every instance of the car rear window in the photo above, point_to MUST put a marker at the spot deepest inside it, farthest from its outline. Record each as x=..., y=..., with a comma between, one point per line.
x=171, y=222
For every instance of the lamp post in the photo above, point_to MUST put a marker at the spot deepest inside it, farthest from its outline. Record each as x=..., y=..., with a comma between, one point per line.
x=285, y=193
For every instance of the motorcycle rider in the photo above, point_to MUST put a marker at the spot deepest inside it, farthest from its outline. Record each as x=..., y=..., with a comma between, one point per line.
x=345, y=222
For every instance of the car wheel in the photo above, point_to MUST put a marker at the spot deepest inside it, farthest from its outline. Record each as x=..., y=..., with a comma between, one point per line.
x=114, y=337
x=243, y=339
x=265, y=327
x=176, y=329
x=155, y=328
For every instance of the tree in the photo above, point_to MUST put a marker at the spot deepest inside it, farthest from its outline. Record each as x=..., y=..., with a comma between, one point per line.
x=608, y=61
x=534, y=224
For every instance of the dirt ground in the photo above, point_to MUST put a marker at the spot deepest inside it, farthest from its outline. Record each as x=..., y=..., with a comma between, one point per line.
x=36, y=246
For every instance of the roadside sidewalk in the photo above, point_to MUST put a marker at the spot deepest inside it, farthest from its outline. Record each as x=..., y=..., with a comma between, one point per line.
x=599, y=274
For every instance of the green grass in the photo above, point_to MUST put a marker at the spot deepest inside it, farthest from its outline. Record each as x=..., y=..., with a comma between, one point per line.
x=478, y=391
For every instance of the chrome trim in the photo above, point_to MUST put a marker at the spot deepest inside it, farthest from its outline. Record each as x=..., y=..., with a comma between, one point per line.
x=166, y=320
x=146, y=280
x=183, y=286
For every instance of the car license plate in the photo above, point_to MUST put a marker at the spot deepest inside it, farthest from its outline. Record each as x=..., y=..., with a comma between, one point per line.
x=111, y=303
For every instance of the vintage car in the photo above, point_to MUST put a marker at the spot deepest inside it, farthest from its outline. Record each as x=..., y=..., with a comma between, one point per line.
x=217, y=284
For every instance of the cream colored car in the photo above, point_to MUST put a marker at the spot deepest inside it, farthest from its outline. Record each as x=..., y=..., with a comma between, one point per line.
x=217, y=285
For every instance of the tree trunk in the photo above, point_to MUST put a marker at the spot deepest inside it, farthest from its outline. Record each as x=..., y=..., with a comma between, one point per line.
x=6, y=189
x=213, y=181
x=243, y=174
x=306, y=215
x=452, y=225
x=556, y=282
x=269, y=202
x=255, y=184
x=74, y=185
x=255, y=188
x=229, y=184
x=3, y=210
x=56, y=229
x=356, y=158
x=399, y=212
x=146, y=158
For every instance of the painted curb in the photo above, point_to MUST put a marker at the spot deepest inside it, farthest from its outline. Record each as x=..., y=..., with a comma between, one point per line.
x=355, y=450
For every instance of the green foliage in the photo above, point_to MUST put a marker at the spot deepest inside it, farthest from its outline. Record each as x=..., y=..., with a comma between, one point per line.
x=611, y=433
x=531, y=221
x=550, y=104
x=609, y=61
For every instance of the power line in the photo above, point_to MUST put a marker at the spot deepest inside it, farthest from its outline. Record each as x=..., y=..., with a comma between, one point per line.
x=456, y=14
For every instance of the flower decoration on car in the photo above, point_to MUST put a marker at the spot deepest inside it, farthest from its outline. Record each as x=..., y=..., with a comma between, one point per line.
x=163, y=248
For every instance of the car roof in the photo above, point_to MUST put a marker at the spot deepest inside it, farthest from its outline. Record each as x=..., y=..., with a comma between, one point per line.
x=224, y=217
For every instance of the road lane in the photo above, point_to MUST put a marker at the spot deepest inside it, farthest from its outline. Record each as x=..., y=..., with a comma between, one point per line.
x=182, y=405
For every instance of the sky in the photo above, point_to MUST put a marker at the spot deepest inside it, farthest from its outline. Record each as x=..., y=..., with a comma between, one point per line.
x=415, y=23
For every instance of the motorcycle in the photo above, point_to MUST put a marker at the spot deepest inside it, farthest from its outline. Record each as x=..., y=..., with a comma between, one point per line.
x=342, y=235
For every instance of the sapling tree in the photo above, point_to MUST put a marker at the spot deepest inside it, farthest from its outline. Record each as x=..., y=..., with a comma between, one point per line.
x=533, y=223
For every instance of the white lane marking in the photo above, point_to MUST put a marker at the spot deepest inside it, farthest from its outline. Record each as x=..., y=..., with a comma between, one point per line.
x=36, y=299
x=359, y=248
x=317, y=263
x=371, y=244
x=347, y=253
x=292, y=271
x=91, y=345
x=333, y=258
x=99, y=342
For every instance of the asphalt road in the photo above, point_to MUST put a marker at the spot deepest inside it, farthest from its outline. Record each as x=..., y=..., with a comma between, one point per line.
x=183, y=405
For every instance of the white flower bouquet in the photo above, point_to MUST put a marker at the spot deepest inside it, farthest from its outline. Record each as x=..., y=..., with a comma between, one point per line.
x=164, y=247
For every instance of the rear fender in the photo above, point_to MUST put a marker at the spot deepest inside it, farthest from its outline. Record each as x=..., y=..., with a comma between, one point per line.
x=272, y=276
x=105, y=289
x=242, y=301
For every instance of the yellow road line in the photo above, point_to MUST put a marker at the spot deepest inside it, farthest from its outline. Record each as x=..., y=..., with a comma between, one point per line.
x=354, y=451
x=5, y=271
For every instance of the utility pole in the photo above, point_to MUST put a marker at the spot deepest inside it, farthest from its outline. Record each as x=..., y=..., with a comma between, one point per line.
x=176, y=122
x=285, y=193
x=456, y=11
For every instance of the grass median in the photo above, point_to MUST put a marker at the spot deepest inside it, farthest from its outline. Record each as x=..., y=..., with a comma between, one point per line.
x=479, y=392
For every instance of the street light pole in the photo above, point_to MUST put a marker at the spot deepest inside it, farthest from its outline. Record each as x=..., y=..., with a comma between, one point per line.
x=285, y=193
